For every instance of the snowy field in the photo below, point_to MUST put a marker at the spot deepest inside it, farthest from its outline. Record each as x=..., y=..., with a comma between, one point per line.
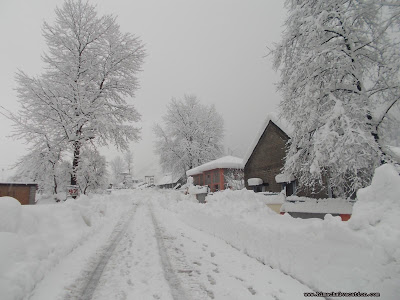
x=159, y=244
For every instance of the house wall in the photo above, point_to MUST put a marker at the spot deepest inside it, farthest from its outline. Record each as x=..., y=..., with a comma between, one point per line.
x=214, y=179
x=24, y=193
x=267, y=158
x=267, y=161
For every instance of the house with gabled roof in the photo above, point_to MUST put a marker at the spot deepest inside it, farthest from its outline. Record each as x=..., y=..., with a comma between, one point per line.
x=265, y=159
x=215, y=173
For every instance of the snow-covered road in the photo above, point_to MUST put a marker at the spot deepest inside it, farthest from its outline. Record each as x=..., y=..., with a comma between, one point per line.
x=162, y=244
x=151, y=254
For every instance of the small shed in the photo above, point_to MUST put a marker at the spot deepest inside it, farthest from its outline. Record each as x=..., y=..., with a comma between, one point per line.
x=25, y=193
x=170, y=181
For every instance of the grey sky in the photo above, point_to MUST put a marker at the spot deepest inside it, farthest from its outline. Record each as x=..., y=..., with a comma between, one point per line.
x=211, y=48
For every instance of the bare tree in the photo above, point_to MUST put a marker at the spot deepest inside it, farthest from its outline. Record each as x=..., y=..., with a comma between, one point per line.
x=91, y=66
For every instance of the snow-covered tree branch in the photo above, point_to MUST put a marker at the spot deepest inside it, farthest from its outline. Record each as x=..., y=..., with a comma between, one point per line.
x=192, y=135
x=339, y=79
x=91, y=68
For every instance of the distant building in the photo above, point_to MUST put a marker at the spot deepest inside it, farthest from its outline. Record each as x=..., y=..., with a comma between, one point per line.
x=149, y=180
x=169, y=181
x=218, y=174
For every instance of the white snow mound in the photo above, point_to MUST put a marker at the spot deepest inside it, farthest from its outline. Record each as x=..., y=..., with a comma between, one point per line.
x=10, y=214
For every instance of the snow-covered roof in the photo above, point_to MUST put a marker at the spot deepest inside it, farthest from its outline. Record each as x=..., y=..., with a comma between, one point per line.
x=226, y=162
x=308, y=205
x=18, y=183
x=254, y=181
x=167, y=179
x=280, y=122
x=284, y=178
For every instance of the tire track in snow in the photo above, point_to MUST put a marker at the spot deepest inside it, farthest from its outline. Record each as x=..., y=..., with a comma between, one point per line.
x=177, y=290
x=117, y=235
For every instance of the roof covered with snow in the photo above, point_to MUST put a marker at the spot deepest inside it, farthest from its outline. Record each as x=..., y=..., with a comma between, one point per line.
x=284, y=178
x=226, y=162
x=278, y=121
x=168, y=179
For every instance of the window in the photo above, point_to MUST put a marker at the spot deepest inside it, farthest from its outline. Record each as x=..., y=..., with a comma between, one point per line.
x=216, y=176
x=208, y=179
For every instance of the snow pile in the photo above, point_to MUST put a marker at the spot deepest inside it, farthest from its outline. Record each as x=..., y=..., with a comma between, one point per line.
x=10, y=214
x=34, y=238
x=243, y=204
x=327, y=255
x=197, y=189
x=377, y=213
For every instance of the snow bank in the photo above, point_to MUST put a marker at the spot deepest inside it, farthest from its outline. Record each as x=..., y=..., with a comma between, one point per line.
x=196, y=189
x=33, y=239
x=327, y=255
x=10, y=214
x=377, y=214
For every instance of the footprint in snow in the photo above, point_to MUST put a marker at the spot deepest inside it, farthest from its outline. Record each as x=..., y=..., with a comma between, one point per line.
x=211, y=279
x=251, y=290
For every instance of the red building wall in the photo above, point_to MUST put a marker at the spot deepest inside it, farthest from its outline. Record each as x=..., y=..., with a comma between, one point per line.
x=213, y=178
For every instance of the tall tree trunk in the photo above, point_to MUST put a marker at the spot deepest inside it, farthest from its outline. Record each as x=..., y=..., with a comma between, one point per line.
x=75, y=162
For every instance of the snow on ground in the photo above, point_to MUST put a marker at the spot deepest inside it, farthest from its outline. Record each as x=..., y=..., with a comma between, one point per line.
x=33, y=239
x=158, y=244
x=327, y=255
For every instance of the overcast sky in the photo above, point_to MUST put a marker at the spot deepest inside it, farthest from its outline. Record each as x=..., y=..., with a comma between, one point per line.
x=214, y=49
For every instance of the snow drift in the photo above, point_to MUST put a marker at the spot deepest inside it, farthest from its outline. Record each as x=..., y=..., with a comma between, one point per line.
x=33, y=239
x=327, y=255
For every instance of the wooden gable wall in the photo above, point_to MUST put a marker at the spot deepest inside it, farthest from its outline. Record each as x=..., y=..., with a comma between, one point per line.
x=267, y=158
